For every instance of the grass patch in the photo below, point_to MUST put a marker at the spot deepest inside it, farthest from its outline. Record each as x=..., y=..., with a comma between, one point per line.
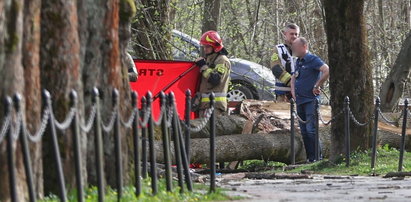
x=360, y=163
x=200, y=193
x=260, y=164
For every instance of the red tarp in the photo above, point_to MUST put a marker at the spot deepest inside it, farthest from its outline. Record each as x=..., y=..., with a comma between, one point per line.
x=154, y=75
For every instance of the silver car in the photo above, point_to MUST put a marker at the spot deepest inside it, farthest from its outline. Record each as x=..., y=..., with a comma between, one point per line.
x=249, y=80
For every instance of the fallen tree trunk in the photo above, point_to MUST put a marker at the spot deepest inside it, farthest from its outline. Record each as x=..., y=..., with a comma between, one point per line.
x=266, y=145
x=225, y=125
x=273, y=146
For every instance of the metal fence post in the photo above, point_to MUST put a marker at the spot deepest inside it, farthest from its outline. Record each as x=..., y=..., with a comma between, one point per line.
x=98, y=142
x=317, y=126
x=374, y=136
x=25, y=150
x=404, y=130
x=187, y=122
x=177, y=148
x=117, y=146
x=166, y=143
x=212, y=145
x=136, y=144
x=153, y=169
x=77, y=156
x=144, y=139
x=56, y=150
x=186, y=166
x=292, y=137
x=347, y=130
x=10, y=152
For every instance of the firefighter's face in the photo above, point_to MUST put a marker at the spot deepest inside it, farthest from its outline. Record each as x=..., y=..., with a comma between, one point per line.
x=290, y=35
x=208, y=49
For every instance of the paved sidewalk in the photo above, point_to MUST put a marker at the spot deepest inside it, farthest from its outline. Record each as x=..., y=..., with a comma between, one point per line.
x=319, y=188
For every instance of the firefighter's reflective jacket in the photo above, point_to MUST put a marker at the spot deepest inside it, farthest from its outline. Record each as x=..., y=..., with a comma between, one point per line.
x=215, y=77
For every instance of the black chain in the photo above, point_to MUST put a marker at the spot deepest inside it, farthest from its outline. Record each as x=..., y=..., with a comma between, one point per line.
x=129, y=122
x=86, y=127
x=109, y=126
x=67, y=121
x=301, y=120
x=326, y=123
x=352, y=117
x=387, y=119
x=6, y=124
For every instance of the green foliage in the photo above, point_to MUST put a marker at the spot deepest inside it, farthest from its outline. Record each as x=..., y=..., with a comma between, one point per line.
x=127, y=10
x=386, y=161
x=200, y=194
x=254, y=164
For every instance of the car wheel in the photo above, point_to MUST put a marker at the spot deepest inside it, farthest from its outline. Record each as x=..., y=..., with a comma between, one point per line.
x=239, y=93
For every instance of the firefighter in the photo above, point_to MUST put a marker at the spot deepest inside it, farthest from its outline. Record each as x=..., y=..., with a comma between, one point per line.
x=282, y=63
x=215, y=73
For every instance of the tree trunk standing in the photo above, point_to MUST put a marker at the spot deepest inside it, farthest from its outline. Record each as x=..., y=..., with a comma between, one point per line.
x=60, y=65
x=11, y=77
x=211, y=17
x=127, y=12
x=152, y=31
x=393, y=86
x=112, y=76
x=32, y=89
x=90, y=19
x=102, y=68
x=350, y=71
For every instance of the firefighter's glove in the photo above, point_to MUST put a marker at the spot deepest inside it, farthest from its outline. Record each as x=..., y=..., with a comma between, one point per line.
x=200, y=63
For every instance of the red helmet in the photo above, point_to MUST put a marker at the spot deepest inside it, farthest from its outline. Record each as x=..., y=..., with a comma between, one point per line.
x=212, y=39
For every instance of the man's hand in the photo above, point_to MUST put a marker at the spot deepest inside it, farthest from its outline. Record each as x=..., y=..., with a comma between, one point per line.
x=316, y=90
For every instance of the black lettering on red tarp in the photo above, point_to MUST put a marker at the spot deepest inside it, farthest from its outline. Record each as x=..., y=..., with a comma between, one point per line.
x=150, y=72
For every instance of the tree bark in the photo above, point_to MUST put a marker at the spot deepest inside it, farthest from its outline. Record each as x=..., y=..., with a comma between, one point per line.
x=32, y=90
x=104, y=42
x=60, y=65
x=11, y=77
x=91, y=30
x=393, y=86
x=350, y=71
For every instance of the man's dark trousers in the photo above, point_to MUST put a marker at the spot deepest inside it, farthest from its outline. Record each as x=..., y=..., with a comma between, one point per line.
x=306, y=112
